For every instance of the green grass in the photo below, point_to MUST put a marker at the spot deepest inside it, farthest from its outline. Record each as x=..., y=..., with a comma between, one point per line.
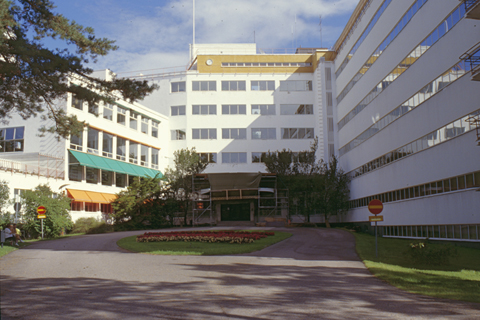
x=7, y=248
x=199, y=248
x=459, y=279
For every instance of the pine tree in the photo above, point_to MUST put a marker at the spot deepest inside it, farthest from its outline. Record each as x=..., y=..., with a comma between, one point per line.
x=33, y=78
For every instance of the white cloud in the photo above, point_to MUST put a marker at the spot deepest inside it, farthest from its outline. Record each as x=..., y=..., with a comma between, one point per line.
x=160, y=37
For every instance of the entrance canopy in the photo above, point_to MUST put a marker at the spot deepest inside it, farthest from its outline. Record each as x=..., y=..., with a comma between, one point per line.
x=229, y=181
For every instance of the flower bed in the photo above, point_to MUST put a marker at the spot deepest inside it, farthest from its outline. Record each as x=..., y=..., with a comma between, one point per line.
x=205, y=236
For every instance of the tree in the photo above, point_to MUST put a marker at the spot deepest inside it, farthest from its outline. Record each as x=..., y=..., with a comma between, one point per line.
x=145, y=203
x=187, y=163
x=314, y=186
x=4, y=202
x=334, y=191
x=57, y=205
x=33, y=78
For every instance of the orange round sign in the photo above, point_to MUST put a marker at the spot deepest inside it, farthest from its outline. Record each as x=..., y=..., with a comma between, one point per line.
x=41, y=210
x=375, y=206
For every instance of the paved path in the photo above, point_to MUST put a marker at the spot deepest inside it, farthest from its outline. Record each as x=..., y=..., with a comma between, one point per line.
x=315, y=274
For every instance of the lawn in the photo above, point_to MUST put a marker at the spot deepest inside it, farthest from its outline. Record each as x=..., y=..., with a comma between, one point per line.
x=459, y=279
x=199, y=248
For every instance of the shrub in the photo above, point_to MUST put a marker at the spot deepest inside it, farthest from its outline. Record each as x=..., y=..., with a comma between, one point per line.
x=431, y=254
x=91, y=225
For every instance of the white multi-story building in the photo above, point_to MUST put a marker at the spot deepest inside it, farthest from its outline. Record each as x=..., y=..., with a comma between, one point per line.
x=396, y=100
x=406, y=107
x=121, y=141
x=234, y=104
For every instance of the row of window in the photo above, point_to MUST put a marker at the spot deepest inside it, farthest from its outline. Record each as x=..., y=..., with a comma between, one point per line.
x=354, y=26
x=471, y=180
x=241, y=133
x=266, y=64
x=80, y=173
x=12, y=139
x=446, y=25
x=440, y=135
x=105, y=208
x=363, y=36
x=257, y=157
x=452, y=231
x=389, y=39
x=234, y=109
x=105, y=146
x=135, y=120
x=451, y=75
x=240, y=85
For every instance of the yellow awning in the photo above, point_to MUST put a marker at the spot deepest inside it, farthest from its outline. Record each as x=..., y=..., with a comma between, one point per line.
x=96, y=197
x=90, y=196
x=79, y=195
x=109, y=197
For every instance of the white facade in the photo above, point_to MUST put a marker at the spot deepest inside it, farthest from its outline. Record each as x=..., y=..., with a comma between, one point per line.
x=408, y=142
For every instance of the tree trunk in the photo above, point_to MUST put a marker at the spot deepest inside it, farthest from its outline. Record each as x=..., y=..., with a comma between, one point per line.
x=327, y=223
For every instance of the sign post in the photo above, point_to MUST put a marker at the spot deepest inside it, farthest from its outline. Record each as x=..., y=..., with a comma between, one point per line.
x=375, y=206
x=41, y=214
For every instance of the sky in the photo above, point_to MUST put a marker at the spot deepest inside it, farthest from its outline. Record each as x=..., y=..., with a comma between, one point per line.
x=154, y=35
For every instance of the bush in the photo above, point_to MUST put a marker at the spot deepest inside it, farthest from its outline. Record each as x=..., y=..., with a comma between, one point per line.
x=91, y=225
x=431, y=254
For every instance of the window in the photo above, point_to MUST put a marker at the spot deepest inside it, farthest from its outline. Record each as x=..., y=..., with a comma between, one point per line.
x=234, y=109
x=262, y=85
x=107, y=178
x=144, y=155
x=177, y=110
x=144, y=126
x=133, y=152
x=297, y=133
x=76, y=142
x=155, y=158
x=108, y=112
x=91, y=207
x=208, y=157
x=204, y=134
x=76, y=206
x=12, y=139
x=239, y=134
x=233, y=86
x=133, y=120
x=263, y=109
x=328, y=78
x=178, y=86
x=259, y=157
x=107, y=148
x=92, y=175
x=204, y=109
x=178, y=135
x=330, y=124
x=120, y=180
x=204, y=86
x=77, y=103
x=296, y=85
x=329, y=99
x=121, y=149
x=92, y=141
x=290, y=109
x=264, y=133
x=121, y=115
x=93, y=109
x=234, y=157
x=155, y=129
x=75, y=171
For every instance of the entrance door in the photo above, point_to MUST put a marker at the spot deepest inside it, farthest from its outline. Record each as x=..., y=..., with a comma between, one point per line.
x=235, y=212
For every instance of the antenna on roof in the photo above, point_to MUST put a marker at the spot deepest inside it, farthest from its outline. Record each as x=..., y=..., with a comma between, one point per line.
x=320, y=24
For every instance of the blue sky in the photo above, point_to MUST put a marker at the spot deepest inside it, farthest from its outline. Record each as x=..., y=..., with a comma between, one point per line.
x=155, y=34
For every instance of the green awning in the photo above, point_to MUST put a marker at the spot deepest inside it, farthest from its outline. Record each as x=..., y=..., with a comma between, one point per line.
x=97, y=162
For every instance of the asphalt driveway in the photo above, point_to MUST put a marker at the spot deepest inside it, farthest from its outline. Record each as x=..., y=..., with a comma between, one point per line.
x=315, y=274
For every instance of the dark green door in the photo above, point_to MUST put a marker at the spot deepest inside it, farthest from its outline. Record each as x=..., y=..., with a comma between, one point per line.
x=236, y=212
